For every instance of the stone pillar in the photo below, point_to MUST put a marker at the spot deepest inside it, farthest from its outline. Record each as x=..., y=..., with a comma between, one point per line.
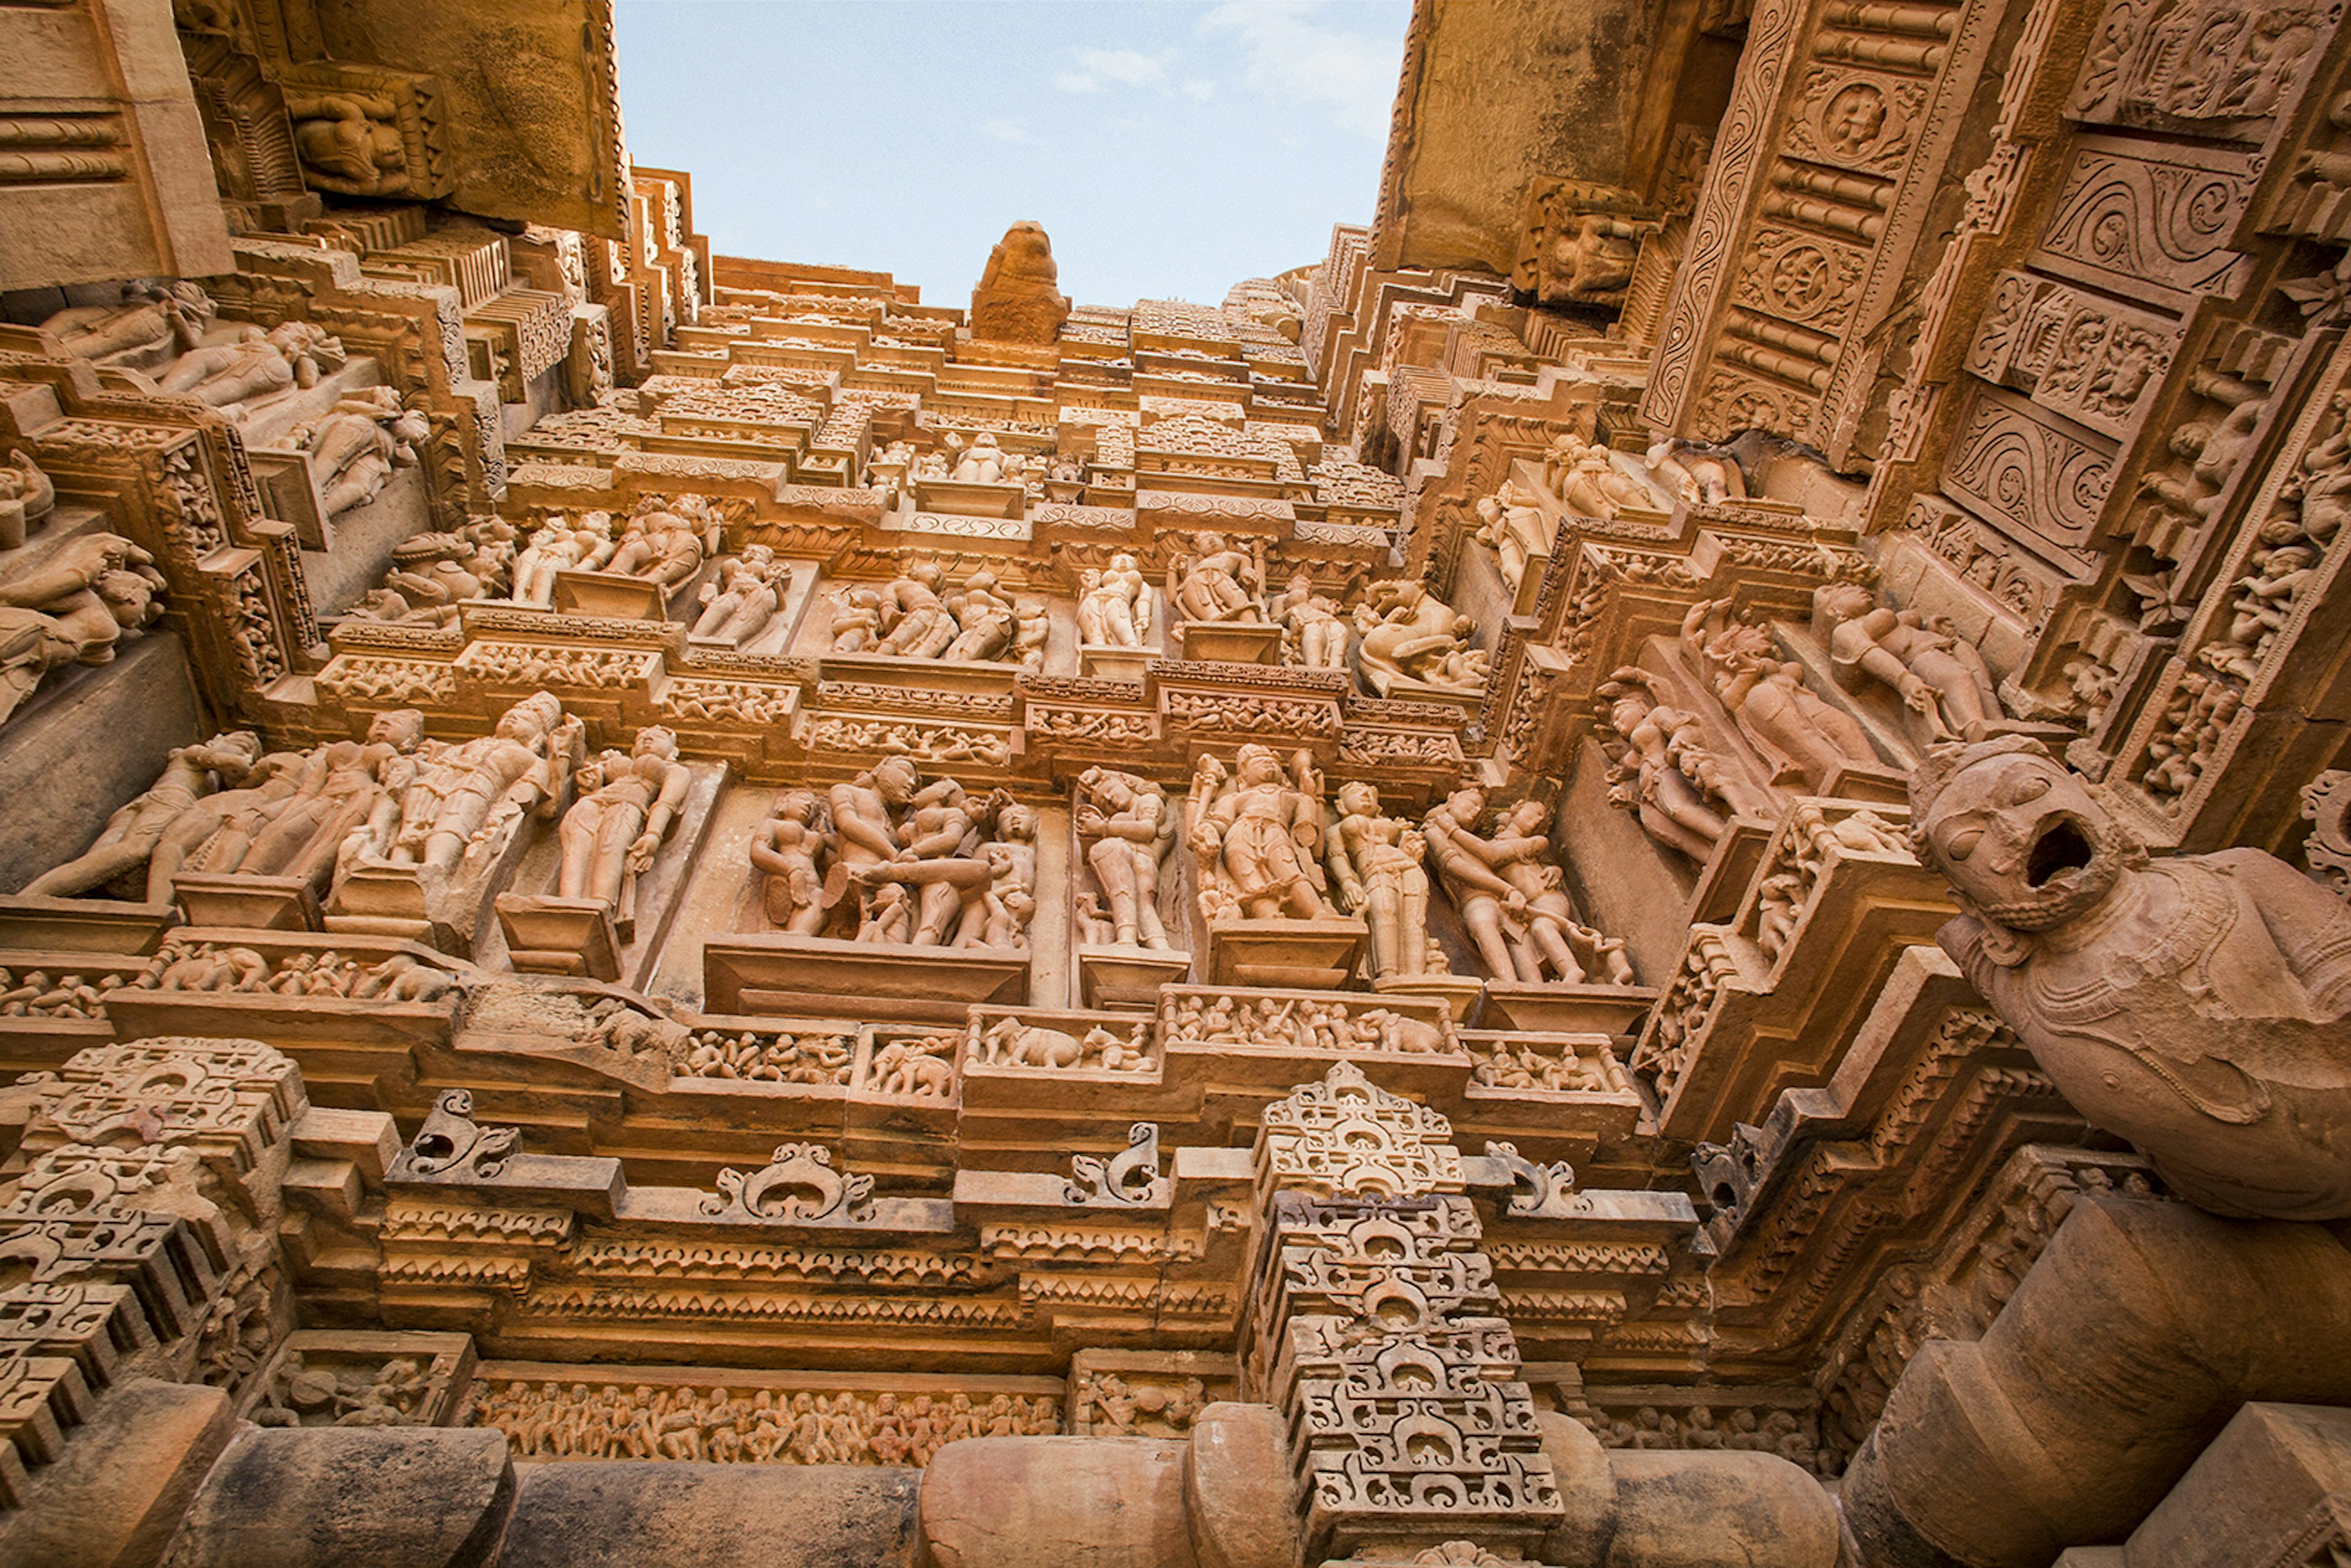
x=1373, y=1324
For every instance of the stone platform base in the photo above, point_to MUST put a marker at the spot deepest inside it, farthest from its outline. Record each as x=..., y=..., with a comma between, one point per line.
x=1127, y=977
x=824, y=976
x=1309, y=955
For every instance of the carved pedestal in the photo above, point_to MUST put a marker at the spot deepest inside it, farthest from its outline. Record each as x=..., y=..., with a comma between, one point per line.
x=260, y=903
x=1570, y=1010
x=289, y=488
x=613, y=595
x=1406, y=689
x=385, y=900
x=768, y=974
x=1108, y=662
x=82, y=925
x=551, y=936
x=1871, y=781
x=1127, y=977
x=970, y=499
x=1311, y=955
x=1459, y=993
x=1229, y=642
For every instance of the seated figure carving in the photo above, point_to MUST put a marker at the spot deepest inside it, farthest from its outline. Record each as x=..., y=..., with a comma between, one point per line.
x=2197, y=1005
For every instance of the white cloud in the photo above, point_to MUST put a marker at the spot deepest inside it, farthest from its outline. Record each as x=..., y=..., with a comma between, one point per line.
x=1202, y=90
x=1098, y=69
x=1287, y=54
x=1004, y=128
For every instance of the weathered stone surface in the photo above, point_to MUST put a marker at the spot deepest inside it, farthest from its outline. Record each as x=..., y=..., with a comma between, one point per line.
x=355, y=1497
x=1705, y=1509
x=1236, y=1489
x=2257, y=1491
x=2051, y=1431
x=88, y=749
x=1016, y=301
x=624, y=1515
x=126, y=1479
x=1087, y=1503
x=1495, y=96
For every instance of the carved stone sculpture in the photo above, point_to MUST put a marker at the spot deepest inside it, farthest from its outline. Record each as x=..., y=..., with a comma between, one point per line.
x=351, y=142
x=94, y=592
x=1512, y=526
x=1375, y=870
x=356, y=447
x=88, y=598
x=1579, y=243
x=1513, y=899
x=1662, y=770
x=1313, y=632
x=788, y=849
x=156, y=316
x=1580, y=474
x=2196, y=1005
x=985, y=619
x=855, y=620
x=1413, y=640
x=1128, y=830
x=738, y=603
x=26, y=499
x=660, y=545
x=434, y=573
x=560, y=547
x=1215, y=581
x=1257, y=837
x=918, y=616
x=235, y=376
x=628, y=803
x=1937, y=674
x=1115, y=608
x=1804, y=739
x=1549, y=940
x=132, y=835
x=926, y=868
x=1700, y=475
x=462, y=796
x=916, y=622
x=982, y=461
x=339, y=786
x=1016, y=301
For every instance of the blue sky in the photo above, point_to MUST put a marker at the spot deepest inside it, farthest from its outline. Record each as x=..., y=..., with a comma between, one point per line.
x=1170, y=148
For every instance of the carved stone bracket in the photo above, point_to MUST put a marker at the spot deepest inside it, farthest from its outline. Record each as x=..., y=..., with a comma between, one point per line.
x=1129, y=1176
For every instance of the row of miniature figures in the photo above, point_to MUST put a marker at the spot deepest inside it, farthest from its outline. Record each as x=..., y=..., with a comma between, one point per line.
x=887, y=858
x=408, y=832
x=1214, y=603
x=397, y=833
